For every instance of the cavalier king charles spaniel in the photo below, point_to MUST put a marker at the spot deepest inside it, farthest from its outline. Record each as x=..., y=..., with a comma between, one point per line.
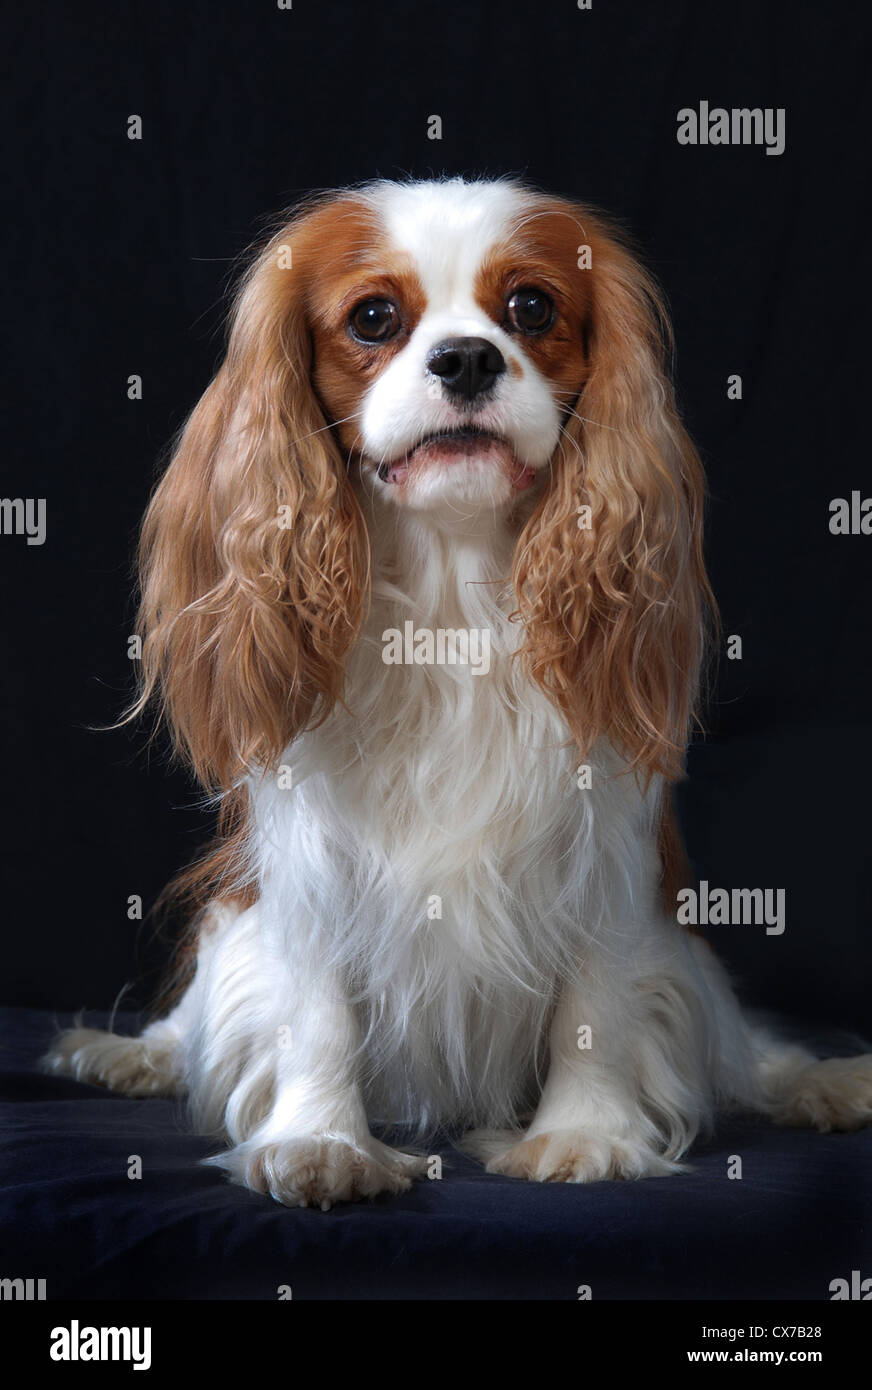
x=424, y=605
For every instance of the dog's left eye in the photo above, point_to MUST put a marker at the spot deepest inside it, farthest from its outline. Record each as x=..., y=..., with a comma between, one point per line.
x=374, y=320
x=530, y=310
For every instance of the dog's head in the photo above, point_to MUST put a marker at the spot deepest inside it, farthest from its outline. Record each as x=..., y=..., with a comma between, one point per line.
x=457, y=348
x=449, y=337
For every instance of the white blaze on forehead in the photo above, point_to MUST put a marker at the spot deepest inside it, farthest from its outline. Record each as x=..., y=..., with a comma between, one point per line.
x=447, y=228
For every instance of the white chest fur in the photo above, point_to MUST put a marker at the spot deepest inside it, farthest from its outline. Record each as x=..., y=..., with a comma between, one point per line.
x=434, y=848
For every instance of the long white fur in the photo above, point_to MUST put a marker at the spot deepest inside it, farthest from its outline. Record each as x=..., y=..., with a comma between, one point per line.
x=343, y=1000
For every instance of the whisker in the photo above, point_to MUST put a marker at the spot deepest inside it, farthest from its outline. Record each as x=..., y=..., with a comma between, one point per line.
x=601, y=424
x=355, y=416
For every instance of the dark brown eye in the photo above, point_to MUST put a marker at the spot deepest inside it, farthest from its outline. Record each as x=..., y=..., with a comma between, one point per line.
x=374, y=320
x=530, y=310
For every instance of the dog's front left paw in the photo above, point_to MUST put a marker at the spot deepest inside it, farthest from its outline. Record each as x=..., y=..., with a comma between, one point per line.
x=320, y=1170
x=565, y=1155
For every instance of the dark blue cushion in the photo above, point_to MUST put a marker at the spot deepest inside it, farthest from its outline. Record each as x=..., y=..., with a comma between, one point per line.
x=70, y=1214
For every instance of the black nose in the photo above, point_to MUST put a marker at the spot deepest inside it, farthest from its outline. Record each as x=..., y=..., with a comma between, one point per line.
x=467, y=366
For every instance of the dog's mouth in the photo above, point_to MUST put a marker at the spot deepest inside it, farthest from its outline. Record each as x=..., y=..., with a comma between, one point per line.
x=450, y=446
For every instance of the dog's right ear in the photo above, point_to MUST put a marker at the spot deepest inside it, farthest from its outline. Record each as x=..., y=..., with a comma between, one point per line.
x=254, y=554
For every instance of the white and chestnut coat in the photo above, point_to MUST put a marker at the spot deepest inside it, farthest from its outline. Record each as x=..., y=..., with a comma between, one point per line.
x=445, y=894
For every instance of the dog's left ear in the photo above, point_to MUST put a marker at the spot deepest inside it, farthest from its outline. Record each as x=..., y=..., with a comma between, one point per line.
x=614, y=597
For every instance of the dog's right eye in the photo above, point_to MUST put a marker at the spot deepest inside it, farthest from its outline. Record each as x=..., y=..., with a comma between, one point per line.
x=374, y=320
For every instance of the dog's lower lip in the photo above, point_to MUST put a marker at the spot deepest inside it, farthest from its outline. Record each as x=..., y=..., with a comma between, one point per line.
x=460, y=436
x=397, y=471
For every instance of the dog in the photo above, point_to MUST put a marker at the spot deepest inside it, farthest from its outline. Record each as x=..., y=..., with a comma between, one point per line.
x=424, y=606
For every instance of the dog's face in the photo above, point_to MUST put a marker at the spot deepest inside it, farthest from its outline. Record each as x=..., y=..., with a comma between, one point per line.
x=452, y=349
x=449, y=324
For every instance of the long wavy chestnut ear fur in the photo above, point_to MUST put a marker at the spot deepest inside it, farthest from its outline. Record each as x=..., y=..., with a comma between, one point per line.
x=254, y=554
x=614, y=613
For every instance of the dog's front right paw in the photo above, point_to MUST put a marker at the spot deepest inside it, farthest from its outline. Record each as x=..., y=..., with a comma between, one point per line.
x=321, y=1169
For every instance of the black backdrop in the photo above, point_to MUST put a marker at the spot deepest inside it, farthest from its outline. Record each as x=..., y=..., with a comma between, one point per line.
x=119, y=257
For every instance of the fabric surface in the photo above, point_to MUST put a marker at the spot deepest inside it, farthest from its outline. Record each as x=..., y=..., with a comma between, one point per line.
x=70, y=1214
